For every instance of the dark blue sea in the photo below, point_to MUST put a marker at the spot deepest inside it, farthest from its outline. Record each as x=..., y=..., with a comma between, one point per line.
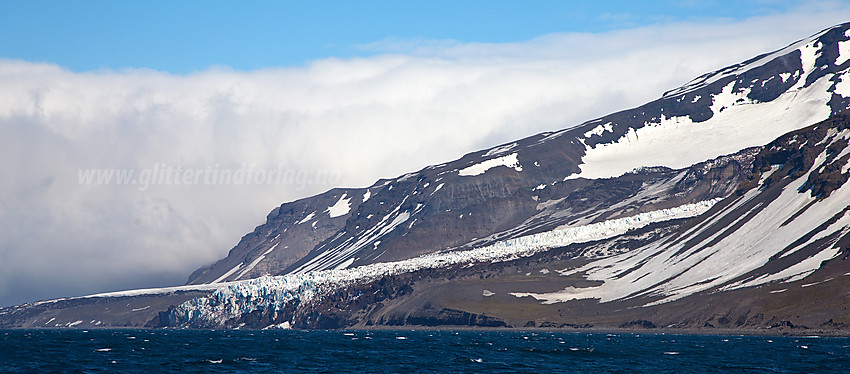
x=153, y=351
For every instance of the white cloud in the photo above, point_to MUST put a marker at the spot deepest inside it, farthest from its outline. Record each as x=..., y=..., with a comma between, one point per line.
x=365, y=118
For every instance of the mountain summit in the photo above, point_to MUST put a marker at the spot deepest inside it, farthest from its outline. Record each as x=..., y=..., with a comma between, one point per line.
x=721, y=204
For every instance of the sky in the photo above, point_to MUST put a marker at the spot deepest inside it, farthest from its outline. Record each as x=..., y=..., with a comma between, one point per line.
x=191, y=36
x=303, y=96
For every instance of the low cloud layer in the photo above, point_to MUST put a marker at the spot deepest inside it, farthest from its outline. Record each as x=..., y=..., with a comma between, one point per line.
x=330, y=123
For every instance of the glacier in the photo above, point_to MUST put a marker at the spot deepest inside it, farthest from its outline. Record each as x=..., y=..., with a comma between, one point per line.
x=274, y=292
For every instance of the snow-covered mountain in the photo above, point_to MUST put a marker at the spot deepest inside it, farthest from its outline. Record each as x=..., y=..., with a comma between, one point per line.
x=723, y=203
x=786, y=227
x=555, y=179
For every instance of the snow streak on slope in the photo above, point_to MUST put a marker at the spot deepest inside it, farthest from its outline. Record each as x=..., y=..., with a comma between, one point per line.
x=500, y=149
x=256, y=261
x=306, y=218
x=237, y=298
x=333, y=257
x=732, y=249
x=228, y=273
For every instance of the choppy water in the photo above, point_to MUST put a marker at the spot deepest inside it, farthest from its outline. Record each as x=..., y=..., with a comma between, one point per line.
x=149, y=351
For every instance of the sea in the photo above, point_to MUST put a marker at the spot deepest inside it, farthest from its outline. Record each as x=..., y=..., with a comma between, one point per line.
x=283, y=351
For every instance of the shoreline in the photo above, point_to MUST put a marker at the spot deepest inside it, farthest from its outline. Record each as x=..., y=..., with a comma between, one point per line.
x=776, y=332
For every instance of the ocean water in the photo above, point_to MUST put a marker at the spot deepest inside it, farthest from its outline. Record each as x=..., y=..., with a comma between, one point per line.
x=153, y=351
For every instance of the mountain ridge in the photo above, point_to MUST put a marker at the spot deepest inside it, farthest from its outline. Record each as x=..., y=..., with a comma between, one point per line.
x=625, y=221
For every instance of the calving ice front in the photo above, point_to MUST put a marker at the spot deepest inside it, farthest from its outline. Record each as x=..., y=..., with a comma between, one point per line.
x=723, y=204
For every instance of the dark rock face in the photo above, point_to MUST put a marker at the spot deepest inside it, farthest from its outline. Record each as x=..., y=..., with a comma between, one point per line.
x=639, y=323
x=797, y=152
x=448, y=317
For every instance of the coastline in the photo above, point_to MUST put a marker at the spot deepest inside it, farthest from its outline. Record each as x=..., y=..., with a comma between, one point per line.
x=773, y=332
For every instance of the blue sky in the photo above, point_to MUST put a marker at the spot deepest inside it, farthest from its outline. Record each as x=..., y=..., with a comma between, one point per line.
x=189, y=36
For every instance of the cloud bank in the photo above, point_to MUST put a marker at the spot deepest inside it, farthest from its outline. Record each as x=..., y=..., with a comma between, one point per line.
x=336, y=122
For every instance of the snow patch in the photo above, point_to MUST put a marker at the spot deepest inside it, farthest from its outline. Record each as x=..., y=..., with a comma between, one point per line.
x=842, y=87
x=843, y=52
x=598, y=130
x=510, y=161
x=341, y=208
